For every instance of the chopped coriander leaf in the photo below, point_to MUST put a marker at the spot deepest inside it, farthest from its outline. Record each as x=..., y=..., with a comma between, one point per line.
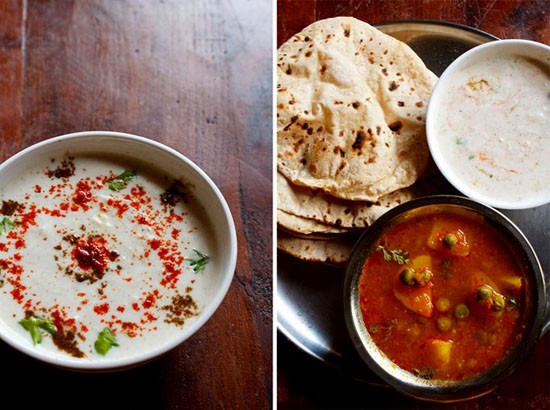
x=447, y=264
x=105, y=340
x=426, y=373
x=397, y=255
x=120, y=182
x=388, y=328
x=33, y=325
x=5, y=225
x=200, y=263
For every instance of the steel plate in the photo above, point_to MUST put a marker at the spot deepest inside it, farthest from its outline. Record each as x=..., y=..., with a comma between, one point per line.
x=308, y=296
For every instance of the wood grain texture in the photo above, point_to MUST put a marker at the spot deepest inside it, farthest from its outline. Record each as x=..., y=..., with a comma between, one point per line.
x=527, y=19
x=195, y=75
x=304, y=382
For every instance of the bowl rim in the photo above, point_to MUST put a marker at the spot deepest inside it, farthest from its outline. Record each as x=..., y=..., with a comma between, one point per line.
x=432, y=118
x=207, y=312
x=442, y=391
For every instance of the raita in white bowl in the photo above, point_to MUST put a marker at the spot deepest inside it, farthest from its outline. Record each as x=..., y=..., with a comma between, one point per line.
x=113, y=250
x=487, y=124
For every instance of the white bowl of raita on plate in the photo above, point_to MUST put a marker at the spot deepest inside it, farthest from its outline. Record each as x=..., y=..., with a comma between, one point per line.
x=114, y=249
x=487, y=124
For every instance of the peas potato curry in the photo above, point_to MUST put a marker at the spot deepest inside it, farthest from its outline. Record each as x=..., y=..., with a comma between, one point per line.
x=443, y=297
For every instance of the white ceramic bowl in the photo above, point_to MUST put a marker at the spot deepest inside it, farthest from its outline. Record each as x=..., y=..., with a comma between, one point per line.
x=170, y=163
x=511, y=165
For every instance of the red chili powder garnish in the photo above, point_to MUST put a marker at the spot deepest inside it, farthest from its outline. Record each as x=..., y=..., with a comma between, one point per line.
x=83, y=194
x=101, y=309
x=92, y=254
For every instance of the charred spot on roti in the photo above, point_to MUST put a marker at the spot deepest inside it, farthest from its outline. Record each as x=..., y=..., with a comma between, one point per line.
x=393, y=86
x=395, y=126
x=385, y=71
x=289, y=70
x=298, y=144
x=340, y=151
x=400, y=104
x=359, y=141
x=355, y=104
x=419, y=104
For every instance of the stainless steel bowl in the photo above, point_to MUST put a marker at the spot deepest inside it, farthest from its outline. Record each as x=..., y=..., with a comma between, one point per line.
x=439, y=390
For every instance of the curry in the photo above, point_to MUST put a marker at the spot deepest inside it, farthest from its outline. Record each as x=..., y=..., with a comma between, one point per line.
x=443, y=296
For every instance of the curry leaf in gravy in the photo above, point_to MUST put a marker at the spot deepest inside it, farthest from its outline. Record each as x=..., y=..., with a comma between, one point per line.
x=33, y=325
x=200, y=263
x=397, y=255
x=105, y=340
x=5, y=225
x=120, y=182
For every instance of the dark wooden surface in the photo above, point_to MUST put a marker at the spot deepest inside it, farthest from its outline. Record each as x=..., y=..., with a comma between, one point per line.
x=304, y=382
x=195, y=75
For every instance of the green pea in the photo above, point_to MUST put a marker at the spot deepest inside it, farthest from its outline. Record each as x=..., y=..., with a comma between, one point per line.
x=450, y=240
x=462, y=311
x=444, y=323
x=407, y=276
x=484, y=292
x=443, y=304
x=425, y=276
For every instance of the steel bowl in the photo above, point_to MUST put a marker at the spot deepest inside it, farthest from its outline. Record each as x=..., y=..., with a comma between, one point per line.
x=442, y=390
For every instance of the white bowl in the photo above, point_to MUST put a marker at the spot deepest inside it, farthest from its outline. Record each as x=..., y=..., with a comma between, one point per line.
x=487, y=147
x=174, y=165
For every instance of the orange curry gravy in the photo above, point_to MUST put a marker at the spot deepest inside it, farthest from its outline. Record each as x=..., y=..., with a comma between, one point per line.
x=447, y=303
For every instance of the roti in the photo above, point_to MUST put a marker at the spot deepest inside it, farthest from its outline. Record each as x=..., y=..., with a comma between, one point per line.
x=318, y=206
x=331, y=251
x=351, y=108
x=305, y=226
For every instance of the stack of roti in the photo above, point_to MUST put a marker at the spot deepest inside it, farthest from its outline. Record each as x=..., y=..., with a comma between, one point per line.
x=351, y=143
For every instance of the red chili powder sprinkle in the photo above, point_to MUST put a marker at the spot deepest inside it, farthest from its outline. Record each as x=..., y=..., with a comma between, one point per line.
x=101, y=309
x=149, y=301
x=154, y=244
x=91, y=254
x=176, y=233
x=83, y=194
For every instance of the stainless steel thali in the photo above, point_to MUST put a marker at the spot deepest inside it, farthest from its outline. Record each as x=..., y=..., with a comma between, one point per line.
x=309, y=296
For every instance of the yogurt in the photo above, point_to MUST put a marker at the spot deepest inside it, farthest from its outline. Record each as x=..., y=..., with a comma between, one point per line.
x=89, y=243
x=489, y=127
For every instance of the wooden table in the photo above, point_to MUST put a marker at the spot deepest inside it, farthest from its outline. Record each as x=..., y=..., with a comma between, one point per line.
x=195, y=75
x=304, y=382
